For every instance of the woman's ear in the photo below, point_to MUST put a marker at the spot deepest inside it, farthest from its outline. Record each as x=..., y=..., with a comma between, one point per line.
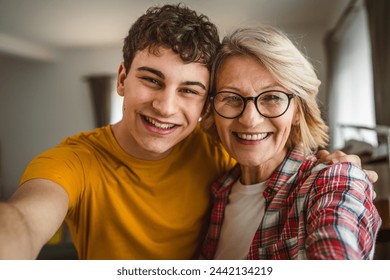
x=297, y=116
x=296, y=119
x=120, y=81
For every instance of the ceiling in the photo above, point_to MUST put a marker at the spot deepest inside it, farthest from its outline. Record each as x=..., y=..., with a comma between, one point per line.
x=40, y=27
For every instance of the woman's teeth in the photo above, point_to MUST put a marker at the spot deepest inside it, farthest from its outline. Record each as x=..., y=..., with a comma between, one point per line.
x=252, y=137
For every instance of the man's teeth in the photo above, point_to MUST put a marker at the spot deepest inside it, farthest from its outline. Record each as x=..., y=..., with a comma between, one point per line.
x=159, y=125
x=252, y=137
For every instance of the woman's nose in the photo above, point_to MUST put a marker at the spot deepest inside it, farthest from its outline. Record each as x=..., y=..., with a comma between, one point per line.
x=250, y=116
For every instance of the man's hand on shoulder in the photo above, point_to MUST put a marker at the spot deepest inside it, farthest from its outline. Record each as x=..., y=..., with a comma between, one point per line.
x=325, y=156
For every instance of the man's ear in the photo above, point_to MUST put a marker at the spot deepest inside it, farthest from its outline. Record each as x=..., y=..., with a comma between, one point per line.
x=206, y=108
x=120, y=81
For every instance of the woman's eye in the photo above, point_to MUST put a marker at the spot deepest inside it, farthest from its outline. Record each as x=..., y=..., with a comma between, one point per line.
x=234, y=99
x=270, y=98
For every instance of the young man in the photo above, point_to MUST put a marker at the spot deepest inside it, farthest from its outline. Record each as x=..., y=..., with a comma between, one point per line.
x=138, y=189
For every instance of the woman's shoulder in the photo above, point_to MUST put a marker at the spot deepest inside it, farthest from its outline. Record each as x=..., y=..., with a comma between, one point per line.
x=344, y=177
x=346, y=170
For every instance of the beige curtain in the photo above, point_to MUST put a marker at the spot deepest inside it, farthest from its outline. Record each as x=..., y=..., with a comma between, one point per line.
x=100, y=89
x=350, y=80
x=379, y=25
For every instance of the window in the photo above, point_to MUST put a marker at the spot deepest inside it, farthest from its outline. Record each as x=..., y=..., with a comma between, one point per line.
x=351, y=98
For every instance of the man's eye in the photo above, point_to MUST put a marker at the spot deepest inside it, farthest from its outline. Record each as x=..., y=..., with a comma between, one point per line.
x=151, y=80
x=189, y=91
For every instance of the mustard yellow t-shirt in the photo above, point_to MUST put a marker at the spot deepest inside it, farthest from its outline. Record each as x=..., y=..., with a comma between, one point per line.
x=125, y=208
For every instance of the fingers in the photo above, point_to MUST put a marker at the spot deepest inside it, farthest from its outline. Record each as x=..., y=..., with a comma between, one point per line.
x=348, y=158
x=337, y=156
x=322, y=155
x=372, y=175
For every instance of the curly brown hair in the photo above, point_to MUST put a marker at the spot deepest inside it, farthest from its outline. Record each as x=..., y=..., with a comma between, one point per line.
x=177, y=27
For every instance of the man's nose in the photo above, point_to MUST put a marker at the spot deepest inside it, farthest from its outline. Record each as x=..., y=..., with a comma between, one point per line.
x=165, y=102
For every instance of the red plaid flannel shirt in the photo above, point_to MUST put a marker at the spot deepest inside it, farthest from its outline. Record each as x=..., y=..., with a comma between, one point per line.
x=312, y=212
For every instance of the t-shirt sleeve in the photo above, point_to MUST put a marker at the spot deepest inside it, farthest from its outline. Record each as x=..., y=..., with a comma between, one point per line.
x=64, y=165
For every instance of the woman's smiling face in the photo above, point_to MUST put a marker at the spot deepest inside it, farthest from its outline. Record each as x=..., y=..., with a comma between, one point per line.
x=253, y=140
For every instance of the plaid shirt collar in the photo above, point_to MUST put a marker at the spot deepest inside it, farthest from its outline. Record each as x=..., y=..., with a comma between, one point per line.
x=282, y=176
x=287, y=230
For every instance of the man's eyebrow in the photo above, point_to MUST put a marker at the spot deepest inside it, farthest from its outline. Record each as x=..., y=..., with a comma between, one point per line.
x=162, y=76
x=191, y=83
x=152, y=70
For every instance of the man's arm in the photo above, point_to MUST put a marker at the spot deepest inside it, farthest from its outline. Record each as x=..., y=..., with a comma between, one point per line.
x=30, y=218
x=338, y=156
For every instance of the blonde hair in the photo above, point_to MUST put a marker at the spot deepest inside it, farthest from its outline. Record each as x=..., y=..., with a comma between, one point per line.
x=289, y=68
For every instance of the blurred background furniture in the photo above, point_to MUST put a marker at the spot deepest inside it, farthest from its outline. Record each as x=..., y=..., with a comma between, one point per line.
x=375, y=156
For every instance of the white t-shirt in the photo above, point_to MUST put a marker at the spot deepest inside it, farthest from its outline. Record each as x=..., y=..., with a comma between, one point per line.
x=243, y=215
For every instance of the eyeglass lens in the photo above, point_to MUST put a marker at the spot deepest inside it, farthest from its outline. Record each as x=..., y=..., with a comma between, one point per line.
x=269, y=104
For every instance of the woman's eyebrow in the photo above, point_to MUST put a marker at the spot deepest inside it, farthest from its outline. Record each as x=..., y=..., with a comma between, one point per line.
x=270, y=86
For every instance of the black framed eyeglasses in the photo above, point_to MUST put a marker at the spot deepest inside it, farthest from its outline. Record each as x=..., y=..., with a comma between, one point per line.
x=269, y=104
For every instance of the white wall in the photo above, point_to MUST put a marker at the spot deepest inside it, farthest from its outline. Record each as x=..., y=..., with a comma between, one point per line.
x=309, y=40
x=43, y=102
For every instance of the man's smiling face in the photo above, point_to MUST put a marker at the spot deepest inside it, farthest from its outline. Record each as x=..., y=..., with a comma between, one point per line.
x=163, y=100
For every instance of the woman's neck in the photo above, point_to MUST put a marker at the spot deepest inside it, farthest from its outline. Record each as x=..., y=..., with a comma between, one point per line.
x=256, y=174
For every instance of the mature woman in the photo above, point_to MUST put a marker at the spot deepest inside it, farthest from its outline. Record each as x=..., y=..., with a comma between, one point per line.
x=277, y=203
